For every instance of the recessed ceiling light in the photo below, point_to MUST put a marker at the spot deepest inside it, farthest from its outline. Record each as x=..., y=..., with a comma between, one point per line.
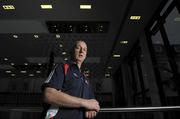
x=64, y=53
x=23, y=72
x=12, y=74
x=5, y=59
x=116, y=55
x=58, y=36
x=38, y=72
x=36, y=36
x=8, y=71
x=12, y=64
x=46, y=6
x=109, y=67
x=85, y=6
x=107, y=75
x=65, y=59
x=31, y=74
x=124, y=42
x=60, y=45
x=15, y=36
x=135, y=17
x=39, y=64
x=8, y=7
x=26, y=64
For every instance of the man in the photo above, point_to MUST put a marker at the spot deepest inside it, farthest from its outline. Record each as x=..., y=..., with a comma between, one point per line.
x=70, y=92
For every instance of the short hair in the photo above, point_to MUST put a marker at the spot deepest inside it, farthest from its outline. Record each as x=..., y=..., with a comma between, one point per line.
x=73, y=48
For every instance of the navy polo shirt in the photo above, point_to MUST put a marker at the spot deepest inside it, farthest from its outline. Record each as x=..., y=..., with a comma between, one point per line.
x=74, y=84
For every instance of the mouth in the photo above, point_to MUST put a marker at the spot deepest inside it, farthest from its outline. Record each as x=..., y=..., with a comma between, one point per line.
x=80, y=55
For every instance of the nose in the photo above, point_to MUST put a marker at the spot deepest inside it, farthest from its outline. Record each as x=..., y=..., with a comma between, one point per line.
x=81, y=50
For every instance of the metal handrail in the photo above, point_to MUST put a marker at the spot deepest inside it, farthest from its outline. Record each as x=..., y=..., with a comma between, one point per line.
x=124, y=110
x=141, y=109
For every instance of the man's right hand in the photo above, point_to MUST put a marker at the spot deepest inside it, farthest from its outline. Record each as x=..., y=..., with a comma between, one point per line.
x=91, y=104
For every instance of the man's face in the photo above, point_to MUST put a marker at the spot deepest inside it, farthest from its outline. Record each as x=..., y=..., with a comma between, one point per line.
x=80, y=51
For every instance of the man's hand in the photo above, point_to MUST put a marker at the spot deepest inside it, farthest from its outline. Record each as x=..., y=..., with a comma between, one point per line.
x=90, y=114
x=91, y=104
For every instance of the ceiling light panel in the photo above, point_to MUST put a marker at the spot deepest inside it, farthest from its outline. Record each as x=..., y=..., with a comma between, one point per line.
x=8, y=7
x=85, y=6
x=116, y=56
x=8, y=71
x=124, y=42
x=107, y=75
x=39, y=64
x=36, y=36
x=15, y=36
x=63, y=53
x=46, y=7
x=58, y=36
x=31, y=74
x=23, y=71
x=26, y=64
x=5, y=59
x=60, y=45
x=12, y=64
x=65, y=59
x=38, y=72
x=109, y=67
x=13, y=74
x=135, y=17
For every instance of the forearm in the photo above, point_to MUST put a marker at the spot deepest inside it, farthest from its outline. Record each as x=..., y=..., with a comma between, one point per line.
x=54, y=97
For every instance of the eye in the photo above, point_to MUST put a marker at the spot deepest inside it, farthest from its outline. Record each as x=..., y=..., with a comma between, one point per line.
x=84, y=49
x=77, y=47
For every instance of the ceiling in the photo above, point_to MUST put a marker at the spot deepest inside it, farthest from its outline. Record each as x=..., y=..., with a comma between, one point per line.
x=27, y=43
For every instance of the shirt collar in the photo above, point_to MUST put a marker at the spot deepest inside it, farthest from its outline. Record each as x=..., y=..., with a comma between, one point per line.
x=71, y=63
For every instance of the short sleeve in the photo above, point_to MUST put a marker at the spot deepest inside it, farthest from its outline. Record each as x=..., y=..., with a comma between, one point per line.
x=55, y=78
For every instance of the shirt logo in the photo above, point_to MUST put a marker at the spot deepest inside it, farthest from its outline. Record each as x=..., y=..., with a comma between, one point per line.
x=75, y=74
x=86, y=81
